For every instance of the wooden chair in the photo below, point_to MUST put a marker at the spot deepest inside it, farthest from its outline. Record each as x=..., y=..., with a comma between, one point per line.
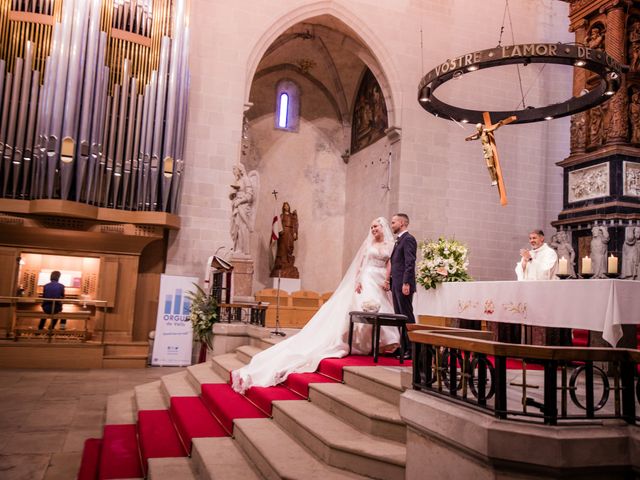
x=305, y=299
x=270, y=295
x=325, y=297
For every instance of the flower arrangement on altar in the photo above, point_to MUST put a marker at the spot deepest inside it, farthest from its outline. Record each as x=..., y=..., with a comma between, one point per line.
x=442, y=261
x=203, y=314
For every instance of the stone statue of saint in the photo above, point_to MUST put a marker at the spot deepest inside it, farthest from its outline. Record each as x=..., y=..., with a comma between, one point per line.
x=243, y=196
x=634, y=46
x=630, y=254
x=561, y=243
x=634, y=115
x=599, y=241
x=578, y=133
x=596, y=133
x=595, y=39
x=284, y=262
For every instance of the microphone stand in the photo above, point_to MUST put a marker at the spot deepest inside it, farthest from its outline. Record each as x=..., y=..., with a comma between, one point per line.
x=277, y=330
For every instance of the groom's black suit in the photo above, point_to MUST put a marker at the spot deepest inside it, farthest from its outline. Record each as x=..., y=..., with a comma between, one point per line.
x=403, y=270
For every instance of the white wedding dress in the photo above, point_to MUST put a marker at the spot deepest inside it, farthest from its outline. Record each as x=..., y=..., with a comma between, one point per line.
x=326, y=334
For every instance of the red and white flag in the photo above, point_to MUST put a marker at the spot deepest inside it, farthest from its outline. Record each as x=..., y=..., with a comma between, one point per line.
x=276, y=227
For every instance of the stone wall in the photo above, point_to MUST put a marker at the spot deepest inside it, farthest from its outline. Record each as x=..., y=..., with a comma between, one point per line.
x=436, y=177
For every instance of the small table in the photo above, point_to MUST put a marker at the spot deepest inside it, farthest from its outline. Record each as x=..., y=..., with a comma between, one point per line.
x=378, y=320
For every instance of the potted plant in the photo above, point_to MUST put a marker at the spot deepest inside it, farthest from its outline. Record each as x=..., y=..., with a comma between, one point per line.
x=203, y=313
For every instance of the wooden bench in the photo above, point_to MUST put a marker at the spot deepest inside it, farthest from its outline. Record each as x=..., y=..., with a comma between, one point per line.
x=377, y=320
x=82, y=315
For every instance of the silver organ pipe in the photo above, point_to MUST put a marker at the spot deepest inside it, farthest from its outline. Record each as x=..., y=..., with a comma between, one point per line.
x=91, y=136
x=161, y=96
x=131, y=121
x=120, y=134
x=111, y=148
x=11, y=130
x=21, y=129
x=31, y=127
x=4, y=115
x=71, y=104
x=90, y=96
x=94, y=123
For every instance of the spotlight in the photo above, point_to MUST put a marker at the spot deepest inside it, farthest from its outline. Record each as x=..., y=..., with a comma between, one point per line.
x=579, y=63
x=472, y=68
x=549, y=117
x=424, y=95
x=612, y=84
x=464, y=120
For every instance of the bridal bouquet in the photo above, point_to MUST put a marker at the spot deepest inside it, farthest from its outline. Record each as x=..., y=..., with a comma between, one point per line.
x=203, y=314
x=442, y=261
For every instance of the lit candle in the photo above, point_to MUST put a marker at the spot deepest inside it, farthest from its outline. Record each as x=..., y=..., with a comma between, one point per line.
x=563, y=266
x=586, y=265
x=612, y=264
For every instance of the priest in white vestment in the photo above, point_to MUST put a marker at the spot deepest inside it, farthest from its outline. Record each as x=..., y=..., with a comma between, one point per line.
x=539, y=263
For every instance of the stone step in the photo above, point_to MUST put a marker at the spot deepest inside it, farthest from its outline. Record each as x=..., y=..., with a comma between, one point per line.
x=224, y=364
x=149, y=396
x=367, y=413
x=221, y=459
x=171, y=469
x=121, y=408
x=202, y=373
x=124, y=361
x=277, y=455
x=382, y=382
x=246, y=352
x=126, y=348
x=177, y=385
x=339, y=444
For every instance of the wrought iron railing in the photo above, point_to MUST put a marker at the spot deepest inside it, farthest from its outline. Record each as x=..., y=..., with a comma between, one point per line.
x=550, y=385
x=252, y=313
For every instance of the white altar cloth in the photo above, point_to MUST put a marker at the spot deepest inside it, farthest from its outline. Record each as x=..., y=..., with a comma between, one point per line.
x=599, y=305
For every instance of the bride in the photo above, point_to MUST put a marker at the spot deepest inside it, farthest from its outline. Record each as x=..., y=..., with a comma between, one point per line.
x=325, y=335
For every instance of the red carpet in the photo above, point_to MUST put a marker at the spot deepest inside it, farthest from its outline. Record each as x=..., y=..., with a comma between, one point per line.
x=124, y=450
x=158, y=436
x=120, y=457
x=193, y=420
x=227, y=405
x=262, y=397
x=580, y=338
x=299, y=382
x=332, y=367
x=90, y=459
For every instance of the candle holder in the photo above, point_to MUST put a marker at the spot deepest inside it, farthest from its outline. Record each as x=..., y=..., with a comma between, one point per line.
x=586, y=275
x=562, y=276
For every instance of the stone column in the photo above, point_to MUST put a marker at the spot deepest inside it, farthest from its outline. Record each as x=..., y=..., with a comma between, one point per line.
x=618, y=127
x=243, y=269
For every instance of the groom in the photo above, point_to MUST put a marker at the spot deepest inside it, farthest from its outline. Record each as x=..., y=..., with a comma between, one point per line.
x=403, y=270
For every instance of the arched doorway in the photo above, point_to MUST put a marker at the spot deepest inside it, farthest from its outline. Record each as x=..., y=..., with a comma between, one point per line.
x=304, y=94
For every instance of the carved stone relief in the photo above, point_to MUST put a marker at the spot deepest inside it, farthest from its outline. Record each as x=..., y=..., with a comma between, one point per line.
x=631, y=175
x=590, y=182
x=578, y=132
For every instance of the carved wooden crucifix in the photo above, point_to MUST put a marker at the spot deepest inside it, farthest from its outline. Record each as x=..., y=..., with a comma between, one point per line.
x=490, y=150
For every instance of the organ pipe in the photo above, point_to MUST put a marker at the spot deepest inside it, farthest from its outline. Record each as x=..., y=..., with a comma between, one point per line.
x=93, y=101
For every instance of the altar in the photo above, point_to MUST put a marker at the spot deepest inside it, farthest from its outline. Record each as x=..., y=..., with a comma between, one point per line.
x=598, y=305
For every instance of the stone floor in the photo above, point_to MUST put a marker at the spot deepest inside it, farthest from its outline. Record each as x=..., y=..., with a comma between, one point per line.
x=46, y=415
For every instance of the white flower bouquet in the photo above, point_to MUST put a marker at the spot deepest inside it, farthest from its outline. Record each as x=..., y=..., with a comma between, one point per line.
x=370, y=306
x=442, y=261
x=203, y=314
